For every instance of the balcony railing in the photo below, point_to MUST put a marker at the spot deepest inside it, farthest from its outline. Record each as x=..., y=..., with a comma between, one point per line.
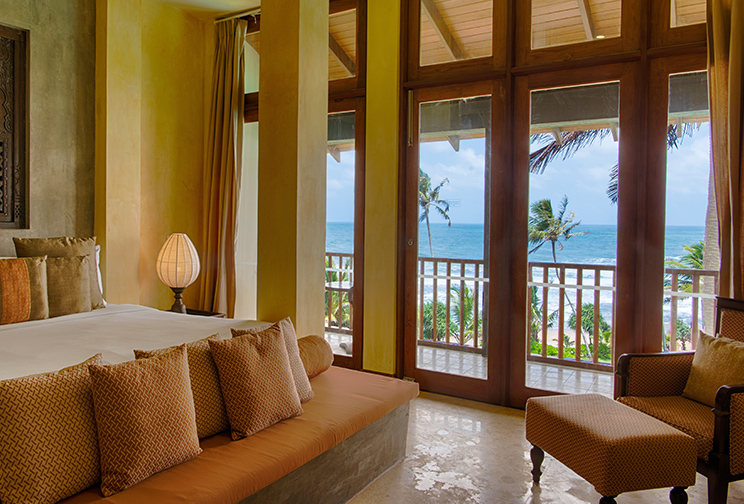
x=571, y=307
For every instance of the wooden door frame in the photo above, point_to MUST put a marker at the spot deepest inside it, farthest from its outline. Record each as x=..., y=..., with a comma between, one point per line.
x=471, y=388
x=358, y=106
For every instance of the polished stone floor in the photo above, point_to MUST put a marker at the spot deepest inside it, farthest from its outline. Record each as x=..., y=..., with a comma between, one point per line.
x=470, y=452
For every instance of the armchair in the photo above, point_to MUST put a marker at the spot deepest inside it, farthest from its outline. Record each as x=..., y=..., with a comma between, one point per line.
x=653, y=384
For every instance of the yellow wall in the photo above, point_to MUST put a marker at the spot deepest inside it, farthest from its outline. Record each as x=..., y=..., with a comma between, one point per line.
x=381, y=185
x=61, y=57
x=150, y=116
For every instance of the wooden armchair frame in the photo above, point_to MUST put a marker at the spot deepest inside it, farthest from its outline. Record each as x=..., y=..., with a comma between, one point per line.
x=718, y=466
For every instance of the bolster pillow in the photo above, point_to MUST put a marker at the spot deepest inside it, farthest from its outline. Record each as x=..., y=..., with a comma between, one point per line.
x=316, y=354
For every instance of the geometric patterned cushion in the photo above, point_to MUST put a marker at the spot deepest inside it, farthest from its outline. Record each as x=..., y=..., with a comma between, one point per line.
x=211, y=417
x=732, y=325
x=302, y=383
x=23, y=286
x=691, y=417
x=145, y=416
x=48, y=447
x=256, y=381
x=65, y=246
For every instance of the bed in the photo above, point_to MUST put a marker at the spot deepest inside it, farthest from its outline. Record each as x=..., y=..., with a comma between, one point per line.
x=357, y=420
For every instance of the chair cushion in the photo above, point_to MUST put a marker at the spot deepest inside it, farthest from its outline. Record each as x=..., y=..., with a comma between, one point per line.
x=691, y=417
x=732, y=324
x=717, y=362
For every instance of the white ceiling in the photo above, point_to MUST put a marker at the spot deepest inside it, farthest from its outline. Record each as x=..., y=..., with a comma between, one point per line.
x=210, y=9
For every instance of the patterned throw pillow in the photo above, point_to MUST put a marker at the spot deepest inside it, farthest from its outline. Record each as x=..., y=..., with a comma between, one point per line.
x=68, y=285
x=145, y=416
x=256, y=381
x=717, y=362
x=316, y=354
x=304, y=390
x=23, y=290
x=48, y=447
x=209, y=406
x=65, y=246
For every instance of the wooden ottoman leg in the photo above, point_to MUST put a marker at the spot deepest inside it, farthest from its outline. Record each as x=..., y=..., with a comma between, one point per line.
x=537, y=456
x=678, y=495
x=608, y=499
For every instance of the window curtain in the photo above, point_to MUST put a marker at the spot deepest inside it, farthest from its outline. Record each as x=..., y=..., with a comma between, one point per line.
x=725, y=54
x=224, y=159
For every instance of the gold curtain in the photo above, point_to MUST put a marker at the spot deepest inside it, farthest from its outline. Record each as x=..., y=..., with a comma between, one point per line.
x=223, y=164
x=725, y=54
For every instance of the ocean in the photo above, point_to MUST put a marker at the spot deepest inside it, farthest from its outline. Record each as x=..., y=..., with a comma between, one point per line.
x=465, y=241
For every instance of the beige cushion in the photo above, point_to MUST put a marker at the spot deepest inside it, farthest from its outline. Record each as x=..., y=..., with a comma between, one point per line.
x=65, y=246
x=48, y=447
x=68, y=285
x=145, y=415
x=316, y=354
x=23, y=290
x=304, y=390
x=211, y=416
x=256, y=381
x=717, y=362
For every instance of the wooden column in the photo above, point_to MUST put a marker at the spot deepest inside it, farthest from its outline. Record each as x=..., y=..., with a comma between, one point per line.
x=293, y=109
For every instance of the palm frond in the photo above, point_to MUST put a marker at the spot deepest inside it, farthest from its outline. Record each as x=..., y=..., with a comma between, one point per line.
x=571, y=142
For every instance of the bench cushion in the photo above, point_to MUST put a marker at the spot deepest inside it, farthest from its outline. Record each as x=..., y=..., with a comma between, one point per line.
x=228, y=471
x=614, y=447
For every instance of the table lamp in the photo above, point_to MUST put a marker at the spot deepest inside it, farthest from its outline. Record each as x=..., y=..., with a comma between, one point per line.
x=178, y=266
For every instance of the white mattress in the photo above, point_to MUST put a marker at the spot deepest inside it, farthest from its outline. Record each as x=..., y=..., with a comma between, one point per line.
x=48, y=345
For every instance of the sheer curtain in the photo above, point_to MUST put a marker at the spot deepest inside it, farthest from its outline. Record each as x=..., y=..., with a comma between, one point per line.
x=725, y=54
x=223, y=164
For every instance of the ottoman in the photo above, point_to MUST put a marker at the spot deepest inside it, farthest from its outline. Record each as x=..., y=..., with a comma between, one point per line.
x=612, y=446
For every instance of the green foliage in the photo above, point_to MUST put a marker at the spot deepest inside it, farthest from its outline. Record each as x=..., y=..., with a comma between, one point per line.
x=693, y=259
x=536, y=315
x=441, y=320
x=337, y=306
x=545, y=227
x=429, y=200
x=684, y=336
x=468, y=317
x=587, y=320
x=569, y=351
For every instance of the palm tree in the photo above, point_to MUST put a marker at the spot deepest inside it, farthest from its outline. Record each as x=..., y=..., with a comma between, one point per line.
x=429, y=199
x=545, y=227
x=468, y=314
x=693, y=259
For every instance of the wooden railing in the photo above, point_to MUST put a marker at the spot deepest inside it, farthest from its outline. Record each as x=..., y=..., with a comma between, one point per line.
x=699, y=286
x=339, y=280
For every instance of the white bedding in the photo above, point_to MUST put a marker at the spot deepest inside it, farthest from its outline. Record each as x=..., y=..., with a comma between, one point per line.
x=48, y=345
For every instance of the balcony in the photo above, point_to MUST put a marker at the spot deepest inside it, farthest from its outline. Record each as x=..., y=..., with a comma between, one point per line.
x=571, y=318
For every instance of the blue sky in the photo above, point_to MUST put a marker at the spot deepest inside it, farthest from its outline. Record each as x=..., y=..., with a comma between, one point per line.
x=582, y=178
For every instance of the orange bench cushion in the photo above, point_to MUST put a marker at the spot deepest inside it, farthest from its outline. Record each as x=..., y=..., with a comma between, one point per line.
x=228, y=471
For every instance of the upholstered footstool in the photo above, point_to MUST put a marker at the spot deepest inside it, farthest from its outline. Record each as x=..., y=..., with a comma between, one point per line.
x=615, y=448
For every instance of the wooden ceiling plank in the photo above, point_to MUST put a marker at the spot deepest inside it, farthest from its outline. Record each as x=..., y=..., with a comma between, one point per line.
x=435, y=17
x=338, y=52
x=586, y=19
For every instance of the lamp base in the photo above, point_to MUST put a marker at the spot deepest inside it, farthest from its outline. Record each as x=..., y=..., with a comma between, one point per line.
x=178, y=305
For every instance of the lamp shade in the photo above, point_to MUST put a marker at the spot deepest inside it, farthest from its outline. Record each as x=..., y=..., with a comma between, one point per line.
x=178, y=263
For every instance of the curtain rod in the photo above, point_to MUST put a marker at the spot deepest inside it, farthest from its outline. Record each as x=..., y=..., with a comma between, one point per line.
x=233, y=15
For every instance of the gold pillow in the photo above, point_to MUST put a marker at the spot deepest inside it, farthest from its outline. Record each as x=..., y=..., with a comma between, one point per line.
x=304, y=390
x=256, y=381
x=145, y=417
x=23, y=290
x=209, y=407
x=717, y=362
x=65, y=246
x=48, y=447
x=316, y=354
x=68, y=285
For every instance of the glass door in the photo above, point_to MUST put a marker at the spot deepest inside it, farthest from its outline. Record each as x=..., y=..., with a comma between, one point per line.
x=447, y=213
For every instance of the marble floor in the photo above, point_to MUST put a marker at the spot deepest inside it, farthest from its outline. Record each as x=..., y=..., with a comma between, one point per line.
x=470, y=452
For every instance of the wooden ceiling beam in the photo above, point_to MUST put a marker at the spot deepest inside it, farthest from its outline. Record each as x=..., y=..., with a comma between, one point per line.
x=335, y=153
x=344, y=60
x=586, y=19
x=454, y=141
x=442, y=30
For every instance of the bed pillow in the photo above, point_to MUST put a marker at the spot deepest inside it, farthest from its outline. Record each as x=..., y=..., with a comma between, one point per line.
x=304, y=390
x=68, y=285
x=48, y=447
x=23, y=290
x=145, y=416
x=211, y=417
x=64, y=246
x=256, y=381
x=316, y=355
x=717, y=362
